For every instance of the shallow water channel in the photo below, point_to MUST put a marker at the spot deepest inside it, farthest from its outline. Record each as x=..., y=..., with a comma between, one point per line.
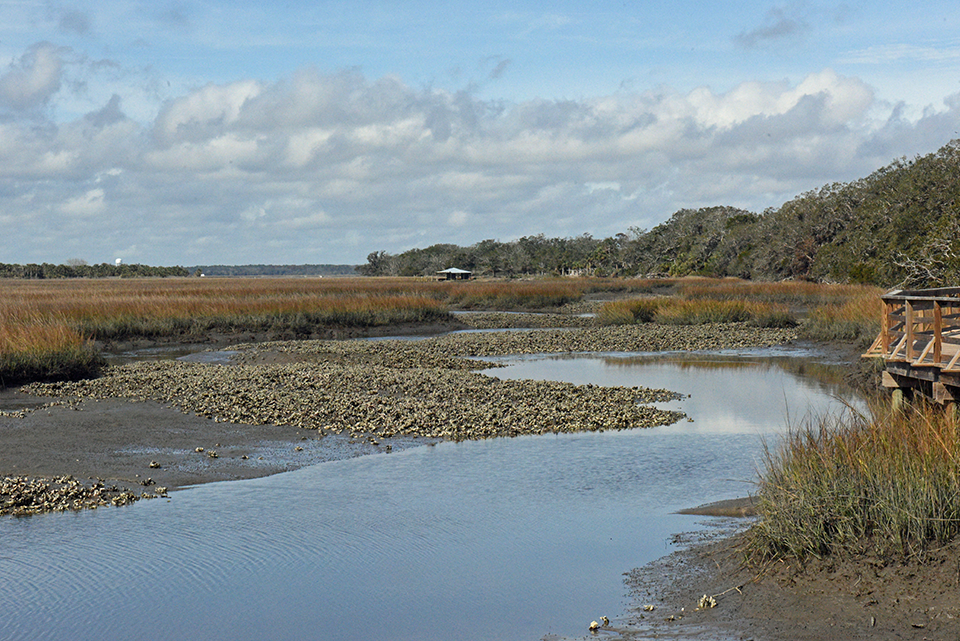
x=506, y=539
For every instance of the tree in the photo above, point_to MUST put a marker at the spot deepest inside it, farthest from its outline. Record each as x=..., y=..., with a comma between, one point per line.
x=376, y=264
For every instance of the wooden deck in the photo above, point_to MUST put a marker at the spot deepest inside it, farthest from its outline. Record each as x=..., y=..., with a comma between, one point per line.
x=919, y=342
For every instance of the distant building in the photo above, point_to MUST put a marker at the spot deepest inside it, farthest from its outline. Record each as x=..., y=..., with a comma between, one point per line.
x=452, y=273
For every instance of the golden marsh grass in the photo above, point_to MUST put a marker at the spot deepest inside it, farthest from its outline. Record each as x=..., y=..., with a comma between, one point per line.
x=46, y=321
x=52, y=323
x=41, y=319
x=835, y=312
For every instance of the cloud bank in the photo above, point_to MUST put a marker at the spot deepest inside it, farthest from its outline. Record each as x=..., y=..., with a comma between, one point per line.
x=325, y=168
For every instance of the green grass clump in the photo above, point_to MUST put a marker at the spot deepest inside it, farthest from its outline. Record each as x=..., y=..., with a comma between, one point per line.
x=886, y=483
x=700, y=312
x=767, y=315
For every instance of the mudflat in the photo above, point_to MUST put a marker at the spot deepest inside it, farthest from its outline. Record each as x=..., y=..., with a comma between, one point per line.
x=836, y=598
x=142, y=444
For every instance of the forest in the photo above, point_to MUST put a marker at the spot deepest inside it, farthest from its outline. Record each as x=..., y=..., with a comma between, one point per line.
x=899, y=226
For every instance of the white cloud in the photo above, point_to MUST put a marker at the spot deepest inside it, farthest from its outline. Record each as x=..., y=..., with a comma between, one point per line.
x=602, y=186
x=336, y=165
x=204, y=112
x=309, y=220
x=208, y=155
x=33, y=79
x=253, y=213
x=87, y=204
x=886, y=54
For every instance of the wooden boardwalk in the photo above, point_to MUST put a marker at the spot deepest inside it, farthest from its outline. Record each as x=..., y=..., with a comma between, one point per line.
x=919, y=343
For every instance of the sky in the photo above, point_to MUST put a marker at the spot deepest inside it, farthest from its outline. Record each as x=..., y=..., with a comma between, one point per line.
x=192, y=132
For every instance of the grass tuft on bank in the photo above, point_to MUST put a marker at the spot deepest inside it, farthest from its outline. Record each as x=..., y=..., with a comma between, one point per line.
x=44, y=349
x=674, y=311
x=883, y=483
x=855, y=320
x=849, y=313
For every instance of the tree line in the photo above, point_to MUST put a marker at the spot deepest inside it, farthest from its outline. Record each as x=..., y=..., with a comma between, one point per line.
x=103, y=270
x=275, y=270
x=898, y=226
x=78, y=269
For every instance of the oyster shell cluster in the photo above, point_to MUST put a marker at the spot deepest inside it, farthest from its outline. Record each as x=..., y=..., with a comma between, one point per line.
x=423, y=388
x=377, y=389
x=20, y=495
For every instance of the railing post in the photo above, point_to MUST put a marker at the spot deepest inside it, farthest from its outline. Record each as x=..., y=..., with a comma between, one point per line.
x=886, y=309
x=937, y=332
x=908, y=328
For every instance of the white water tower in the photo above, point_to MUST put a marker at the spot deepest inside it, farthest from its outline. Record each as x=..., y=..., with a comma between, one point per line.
x=118, y=261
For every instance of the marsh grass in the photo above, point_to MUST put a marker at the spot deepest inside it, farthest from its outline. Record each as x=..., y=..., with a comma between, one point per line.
x=47, y=327
x=510, y=295
x=678, y=311
x=536, y=294
x=793, y=293
x=833, y=312
x=886, y=482
x=856, y=319
x=299, y=315
x=629, y=311
x=699, y=312
x=45, y=318
x=35, y=348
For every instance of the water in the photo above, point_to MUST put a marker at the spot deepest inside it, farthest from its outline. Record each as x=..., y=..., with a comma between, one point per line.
x=751, y=390
x=506, y=539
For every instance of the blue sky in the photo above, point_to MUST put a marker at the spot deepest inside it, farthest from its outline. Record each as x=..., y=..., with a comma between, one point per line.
x=194, y=132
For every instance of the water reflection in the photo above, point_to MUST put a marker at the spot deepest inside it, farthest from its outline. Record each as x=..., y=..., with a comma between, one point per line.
x=758, y=391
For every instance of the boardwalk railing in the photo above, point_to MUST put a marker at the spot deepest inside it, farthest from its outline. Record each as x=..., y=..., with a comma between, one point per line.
x=919, y=343
x=920, y=328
